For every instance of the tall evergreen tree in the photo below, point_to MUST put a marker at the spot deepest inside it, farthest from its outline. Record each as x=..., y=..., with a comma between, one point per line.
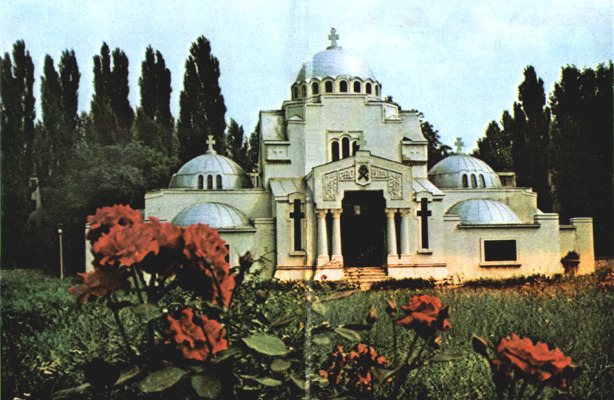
x=495, y=148
x=154, y=124
x=111, y=111
x=17, y=126
x=436, y=150
x=201, y=104
x=251, y=149
x=50, y=136
x=234, y=141
x=69, y=79
x=581, y=149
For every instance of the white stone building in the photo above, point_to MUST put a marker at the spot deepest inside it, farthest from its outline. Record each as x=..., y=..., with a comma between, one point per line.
x=342, y=182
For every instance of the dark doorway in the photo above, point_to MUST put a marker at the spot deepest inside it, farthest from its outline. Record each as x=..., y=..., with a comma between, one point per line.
x=363, y=229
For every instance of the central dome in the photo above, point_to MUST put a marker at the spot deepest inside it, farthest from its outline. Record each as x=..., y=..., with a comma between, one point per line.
x=334, y=62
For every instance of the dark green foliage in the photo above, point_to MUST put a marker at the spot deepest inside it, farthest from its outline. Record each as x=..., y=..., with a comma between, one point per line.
x=201, y=104
x=252, y=149
x=17, y=130
x=581, y=149
x=235, y=145
x=154, y=124
x=495, y=148
x=112, y=114
x=437, y=151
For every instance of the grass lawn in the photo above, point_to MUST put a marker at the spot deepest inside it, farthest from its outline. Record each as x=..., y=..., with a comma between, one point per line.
x=46, y=340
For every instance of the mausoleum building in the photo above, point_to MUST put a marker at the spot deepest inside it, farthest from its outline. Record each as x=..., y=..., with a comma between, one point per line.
x=342, y=182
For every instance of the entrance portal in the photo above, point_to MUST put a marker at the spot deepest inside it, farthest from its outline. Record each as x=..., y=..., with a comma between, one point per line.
x=363, y=229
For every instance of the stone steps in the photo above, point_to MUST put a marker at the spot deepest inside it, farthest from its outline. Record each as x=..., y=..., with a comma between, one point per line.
x=365, y=276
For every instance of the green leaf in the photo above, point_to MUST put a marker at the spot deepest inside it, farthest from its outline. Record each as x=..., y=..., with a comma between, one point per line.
x=445, y=357
x=267, y=344
x=338, y=296
x=225, y=354
x=319, y=308
x=321, y=341
x=207, y=386
x=382, y=374
x=266, y=381
x=299, y=382
x=285, y=320
x=147, y=311
x=280, y=365
x=161, y=380
x=348, y=334
x=127, y=375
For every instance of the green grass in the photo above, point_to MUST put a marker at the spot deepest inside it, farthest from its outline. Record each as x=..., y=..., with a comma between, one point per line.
x=46, y=340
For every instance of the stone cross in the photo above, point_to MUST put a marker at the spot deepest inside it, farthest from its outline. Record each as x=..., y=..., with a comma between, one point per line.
x=459, y=144
x=424, y=213
x=297, y=215
x=333, y=37
x=210, y=142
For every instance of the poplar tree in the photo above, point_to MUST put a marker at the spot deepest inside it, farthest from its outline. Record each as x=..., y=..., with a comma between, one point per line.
x=154, y=123
x=234, y=142
x=201, y=104
x=495, y=148
x=17, y=116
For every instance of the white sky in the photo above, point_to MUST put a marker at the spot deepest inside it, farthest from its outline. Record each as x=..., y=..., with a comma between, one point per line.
x=457, y=62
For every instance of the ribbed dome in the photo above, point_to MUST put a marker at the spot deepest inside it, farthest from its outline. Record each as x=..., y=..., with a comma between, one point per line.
x=483, y=211
x=211, y=164
x=216, y=215
x=449, y=172
x=334, y=62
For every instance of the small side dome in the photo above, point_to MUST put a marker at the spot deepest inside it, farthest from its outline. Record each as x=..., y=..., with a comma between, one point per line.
x=216, y=215
x=483, y=211
x=463, y=171
x=211, y=171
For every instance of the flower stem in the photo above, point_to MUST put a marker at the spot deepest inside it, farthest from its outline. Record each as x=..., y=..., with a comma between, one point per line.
x=122, y=331
x=137, y=286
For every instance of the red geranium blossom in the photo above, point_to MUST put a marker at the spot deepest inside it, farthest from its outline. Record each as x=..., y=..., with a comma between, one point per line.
x=357, y=367
x=335, y=366
x=125, y=245
x=99, y=282
x=426, y=315
x=107, y=217
x=196, y=336
x=536, y=363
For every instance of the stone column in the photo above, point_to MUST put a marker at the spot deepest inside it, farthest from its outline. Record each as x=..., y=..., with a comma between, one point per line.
x=392, y=234
x=404, y=231
x=337, y=235
x=322, y=238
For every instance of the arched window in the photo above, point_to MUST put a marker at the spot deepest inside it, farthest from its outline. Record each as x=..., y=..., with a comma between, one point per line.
x=355, y=147
x=343, y=87
x=315, y=88
x=328, y=87
x=465, y=181
x=295, y=93
x=209, y=182
x=474, y=181
x=334, y=150
x=376, y=90
x=345, y=147
x=304, y=90
x=368, y=88
x=218, y=182
x=482, y=181
x=357, y=87
x=201, y=182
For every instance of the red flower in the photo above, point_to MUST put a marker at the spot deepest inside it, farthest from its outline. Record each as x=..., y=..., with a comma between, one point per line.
x=202, y=241
x=107, y=217
x=196, y=336
x=536, y=363
x=99, y=282
x=334, y=370
x=169, y=239
x=125, y=245
x=426, y=315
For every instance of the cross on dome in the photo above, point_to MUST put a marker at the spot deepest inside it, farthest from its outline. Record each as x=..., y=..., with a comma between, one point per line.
x=210, y=142
x=459, y=144
x=333, y=37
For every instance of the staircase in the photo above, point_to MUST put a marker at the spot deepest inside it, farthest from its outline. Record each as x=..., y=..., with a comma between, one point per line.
x=365, y=276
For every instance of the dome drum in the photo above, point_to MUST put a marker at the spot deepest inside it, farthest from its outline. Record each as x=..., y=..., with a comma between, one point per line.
x=337, y=85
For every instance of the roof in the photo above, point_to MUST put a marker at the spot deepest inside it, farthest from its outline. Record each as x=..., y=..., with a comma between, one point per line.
x=483, y=211
x=334, y=62
x=282, y=187
x=448, y=173
x=211, y=163
x=216, y=215
x=423, y=185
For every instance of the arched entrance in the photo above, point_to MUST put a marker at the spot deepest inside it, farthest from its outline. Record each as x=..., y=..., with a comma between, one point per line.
x=363, y=228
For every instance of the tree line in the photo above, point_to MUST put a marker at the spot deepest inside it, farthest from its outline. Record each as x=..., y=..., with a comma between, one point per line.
x=59, y=169
x=561, y=146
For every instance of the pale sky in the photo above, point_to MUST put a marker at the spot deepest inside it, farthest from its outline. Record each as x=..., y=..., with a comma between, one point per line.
x=457, y=62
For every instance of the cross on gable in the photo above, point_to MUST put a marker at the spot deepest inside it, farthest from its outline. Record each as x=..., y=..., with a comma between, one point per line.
x=459, y=144
x=333, y=37
x=424, y=213
x=297, y=215
x=210, y=142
